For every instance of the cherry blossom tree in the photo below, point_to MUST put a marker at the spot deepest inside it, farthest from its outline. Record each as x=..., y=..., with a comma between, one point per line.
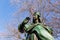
x=49, y=10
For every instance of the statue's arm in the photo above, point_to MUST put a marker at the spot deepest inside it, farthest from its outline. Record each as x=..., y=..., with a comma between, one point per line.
x=29, y=27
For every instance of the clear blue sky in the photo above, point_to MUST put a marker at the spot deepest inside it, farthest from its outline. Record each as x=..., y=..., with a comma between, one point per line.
x=6, y=11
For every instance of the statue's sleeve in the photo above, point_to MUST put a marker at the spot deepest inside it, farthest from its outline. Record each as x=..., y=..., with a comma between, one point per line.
x=49, y=29
x=21, y=28
x=29, y=27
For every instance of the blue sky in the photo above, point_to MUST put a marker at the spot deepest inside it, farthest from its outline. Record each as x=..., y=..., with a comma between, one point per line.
x=6, y=11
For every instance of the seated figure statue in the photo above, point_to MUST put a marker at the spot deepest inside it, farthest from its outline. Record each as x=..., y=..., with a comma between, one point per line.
x=42, y=32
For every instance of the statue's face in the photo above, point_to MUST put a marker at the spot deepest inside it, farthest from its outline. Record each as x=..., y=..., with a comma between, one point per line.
x=35, y=16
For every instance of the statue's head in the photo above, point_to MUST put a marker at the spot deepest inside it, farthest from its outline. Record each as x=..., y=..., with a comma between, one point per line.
x=26, y=20
x=36, y=15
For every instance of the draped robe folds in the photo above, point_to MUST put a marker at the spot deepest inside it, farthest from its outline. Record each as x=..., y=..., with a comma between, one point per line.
x=39, y=30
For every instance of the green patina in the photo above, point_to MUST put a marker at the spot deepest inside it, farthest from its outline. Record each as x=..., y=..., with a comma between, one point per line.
x=42, y=31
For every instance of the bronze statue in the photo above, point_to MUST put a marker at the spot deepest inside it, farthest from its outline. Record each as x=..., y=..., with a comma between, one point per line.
x=42, y=32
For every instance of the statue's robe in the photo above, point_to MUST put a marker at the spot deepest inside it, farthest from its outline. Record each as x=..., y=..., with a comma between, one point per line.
x=39, y=30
